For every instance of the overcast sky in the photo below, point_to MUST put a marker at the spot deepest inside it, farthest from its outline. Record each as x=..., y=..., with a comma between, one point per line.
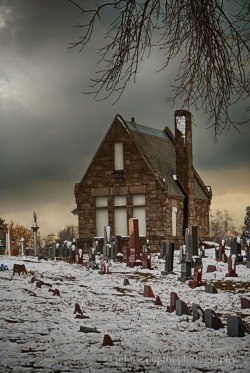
x=49, y=130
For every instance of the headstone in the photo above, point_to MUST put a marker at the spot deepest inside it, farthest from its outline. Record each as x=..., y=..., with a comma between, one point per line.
x=107, y=240
x=189, y=253
x=198, y=313
x=182, y=254
x=222, y=254
x=134, y=237
x=182, y=308
x=163, y=246
x=211, y=289
x=107, y=340
x=194, y=239
x=158, y=301
x=186, y=271
x=80, y=256
x=216, y=252
x=212, y=320
x=118, y=244
x=173, y=298
x=86, y=329
x=235, y=327
x=247, y=248
x=78, y=309
x=197, y=278
x=245, y=303
x=248, y=260
x=148, y=292
x=233, y=246
x=232, y=266
x=126, y=282
x=211, y=268
x=202, y=252
x=169, y=261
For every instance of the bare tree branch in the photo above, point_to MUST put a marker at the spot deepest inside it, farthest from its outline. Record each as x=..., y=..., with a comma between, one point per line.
x=209, y=39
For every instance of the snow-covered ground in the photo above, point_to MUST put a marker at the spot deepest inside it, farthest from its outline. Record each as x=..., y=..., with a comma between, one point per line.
x=40, y=333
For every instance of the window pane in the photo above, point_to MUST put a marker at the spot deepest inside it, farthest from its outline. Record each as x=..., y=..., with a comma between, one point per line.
x=121, y=222
x=140, y=214
x=139, y=199
x=118, y=150
x=120, y=201
x=101, y=221
x=101, y=201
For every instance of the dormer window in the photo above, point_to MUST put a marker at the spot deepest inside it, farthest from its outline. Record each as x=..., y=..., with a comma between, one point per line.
x=118, y=156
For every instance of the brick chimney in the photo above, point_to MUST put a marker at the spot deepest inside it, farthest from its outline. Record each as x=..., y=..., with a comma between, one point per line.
x=184, y=163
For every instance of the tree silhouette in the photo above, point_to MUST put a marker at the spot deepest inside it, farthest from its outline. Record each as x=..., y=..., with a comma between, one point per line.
x=208, y=39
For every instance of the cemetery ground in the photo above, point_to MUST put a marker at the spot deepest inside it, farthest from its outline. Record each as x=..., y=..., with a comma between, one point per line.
x=41, y=332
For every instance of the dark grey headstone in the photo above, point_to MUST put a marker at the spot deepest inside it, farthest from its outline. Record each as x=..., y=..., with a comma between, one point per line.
x=126, y=282
x=169, y=257
x=248, y=260
x=235, y=327
x=198, y=312
x=211, y=289
x=233, y=246
x=182, y=308
x=186, y=269
x=194, y=240
x=212, y=320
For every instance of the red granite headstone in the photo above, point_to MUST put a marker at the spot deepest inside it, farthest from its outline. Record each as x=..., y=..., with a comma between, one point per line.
x=148, y=292
x=158, y=301
x=245, y=303
x=232, y=266
x=173, y=298
x=211, y=268
x=107, y=340
x=134, y=237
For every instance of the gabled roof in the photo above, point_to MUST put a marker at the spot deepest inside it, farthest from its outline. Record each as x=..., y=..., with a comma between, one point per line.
x=158, y=150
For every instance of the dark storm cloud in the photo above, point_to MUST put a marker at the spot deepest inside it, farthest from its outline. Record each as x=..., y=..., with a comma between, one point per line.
x=50, y=130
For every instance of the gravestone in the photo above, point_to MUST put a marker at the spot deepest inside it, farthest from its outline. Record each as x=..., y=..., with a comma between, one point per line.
x=134, y=237
x=188, y=243
x=211, y=289
x=158, y=301
x=232, y=266
x=182, y=257
x=194, y=239
x=107, y=240
x=222, y=254
x=148, y=292
x=126, y=282
x=186, y=271
x=182, y=308
x=235, y=246
x=212, y=320
x=197, y=278
x=107, y=340
x=245, y=303
x=169, y=261
x=202, y=252
x=163, y=246
x=118, y=244
x=248, y=260
x=211, y=268
x=216, y=252
x=247, y=248
x=235, y=327
x=173, y=298
x=198, y=313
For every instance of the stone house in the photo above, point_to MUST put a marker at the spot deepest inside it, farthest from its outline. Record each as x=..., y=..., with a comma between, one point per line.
x=144, y=173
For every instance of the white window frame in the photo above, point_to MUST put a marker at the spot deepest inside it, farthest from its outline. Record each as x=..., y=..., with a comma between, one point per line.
x=118, y=156
x=174, y=221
